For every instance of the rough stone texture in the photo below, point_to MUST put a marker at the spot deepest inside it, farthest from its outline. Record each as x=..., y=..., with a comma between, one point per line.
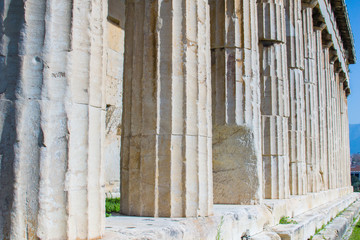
x=113, y=94
x=255, y=222
x=314, y=174
x=236, y=102
x=231, y=145
x=308, y=222
x=166, y=167
x=320, y=74
x=339, y=226
x=295, y=64
x=51, y=120
x=234, y=221
x=272, y=77
x=274, y=104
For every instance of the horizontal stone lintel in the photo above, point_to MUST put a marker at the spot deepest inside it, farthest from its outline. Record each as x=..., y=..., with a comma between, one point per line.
x=330, y=24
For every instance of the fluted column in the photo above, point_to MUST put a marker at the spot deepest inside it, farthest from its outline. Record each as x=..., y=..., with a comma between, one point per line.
x=166, y=168
x=312, y=155
x=342, y=124
x=322, y=118
x=295, y=63
x=328, y=70
x=274, y=100
x=347, y=142
x=338, y=162
x=51, y=120
x=236, y=102
x=332, y=118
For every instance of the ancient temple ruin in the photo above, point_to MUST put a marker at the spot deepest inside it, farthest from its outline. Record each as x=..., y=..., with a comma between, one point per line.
x=202, y=110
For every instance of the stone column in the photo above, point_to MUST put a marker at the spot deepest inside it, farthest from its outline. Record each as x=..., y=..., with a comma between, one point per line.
x=114, y=57
x=321, y=89
x=328, y=70
x=274, y=101
x=314, y=178
x=166, y=148
x=347, y=141
x=342, y=124
x=332, y=109
x=237, y=164
x=51, y=120
x=332, y=113
x=295, y=63
x=338, y=162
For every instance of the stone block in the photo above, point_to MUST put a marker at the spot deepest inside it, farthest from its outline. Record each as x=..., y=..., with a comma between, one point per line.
x=115, y=37
x=115, y=61
x=235, y=152
x=271, y=21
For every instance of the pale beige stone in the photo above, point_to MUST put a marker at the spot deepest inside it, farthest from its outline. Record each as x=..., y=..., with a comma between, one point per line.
x=272, y=75
x=236, y=103
x=295, y=63
x=166, y=146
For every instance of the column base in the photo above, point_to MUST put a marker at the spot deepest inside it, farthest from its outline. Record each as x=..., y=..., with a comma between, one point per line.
x=230, y=221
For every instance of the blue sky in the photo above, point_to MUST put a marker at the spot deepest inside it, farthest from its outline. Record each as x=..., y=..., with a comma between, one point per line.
x=354, y=99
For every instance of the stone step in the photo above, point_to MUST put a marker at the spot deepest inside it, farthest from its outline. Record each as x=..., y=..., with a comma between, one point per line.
x=309, y=222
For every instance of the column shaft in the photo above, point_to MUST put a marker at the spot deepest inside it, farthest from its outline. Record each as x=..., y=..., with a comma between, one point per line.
x=314, y=177
x=236, y=102
x=295, y=63
x=166, y=168
x=347, y=142
x=329, y=116
x=321, y=89
x=51, y=120
x=274, y=98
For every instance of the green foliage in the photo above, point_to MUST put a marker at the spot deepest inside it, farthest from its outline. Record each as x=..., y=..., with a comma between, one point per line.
x=287, y=220
x=218, y=233
x=318, y=231
x=324, y=225
x=356, y=232
x=112, y=205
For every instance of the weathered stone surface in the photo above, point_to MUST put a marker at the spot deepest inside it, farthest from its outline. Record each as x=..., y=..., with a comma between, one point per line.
x=166, y=167
x=233, y=155
x=274, y=110
x=295, y=64
x=115, y=33
x=236, y=221
x=269, y=78
x=51, y=169
x=236, y=103
x=308, y=222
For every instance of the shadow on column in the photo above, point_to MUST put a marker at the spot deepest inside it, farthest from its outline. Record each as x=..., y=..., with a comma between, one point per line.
x=9, y=79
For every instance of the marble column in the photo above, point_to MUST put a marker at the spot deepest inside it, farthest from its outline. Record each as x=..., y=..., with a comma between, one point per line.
x=51, y=119
x=312, y=154
x=274, y=98
x=166, y=149
x=322, y=118
x=336, y=96
x=342, y=124
x=295, y=63
x=328, y=73
x=347, y=141
x=237, y=164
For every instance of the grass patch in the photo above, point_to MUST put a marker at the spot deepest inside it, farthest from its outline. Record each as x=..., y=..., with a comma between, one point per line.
x=218, y=233
x=356, y=232
x=112, y=205
x=287, y=220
